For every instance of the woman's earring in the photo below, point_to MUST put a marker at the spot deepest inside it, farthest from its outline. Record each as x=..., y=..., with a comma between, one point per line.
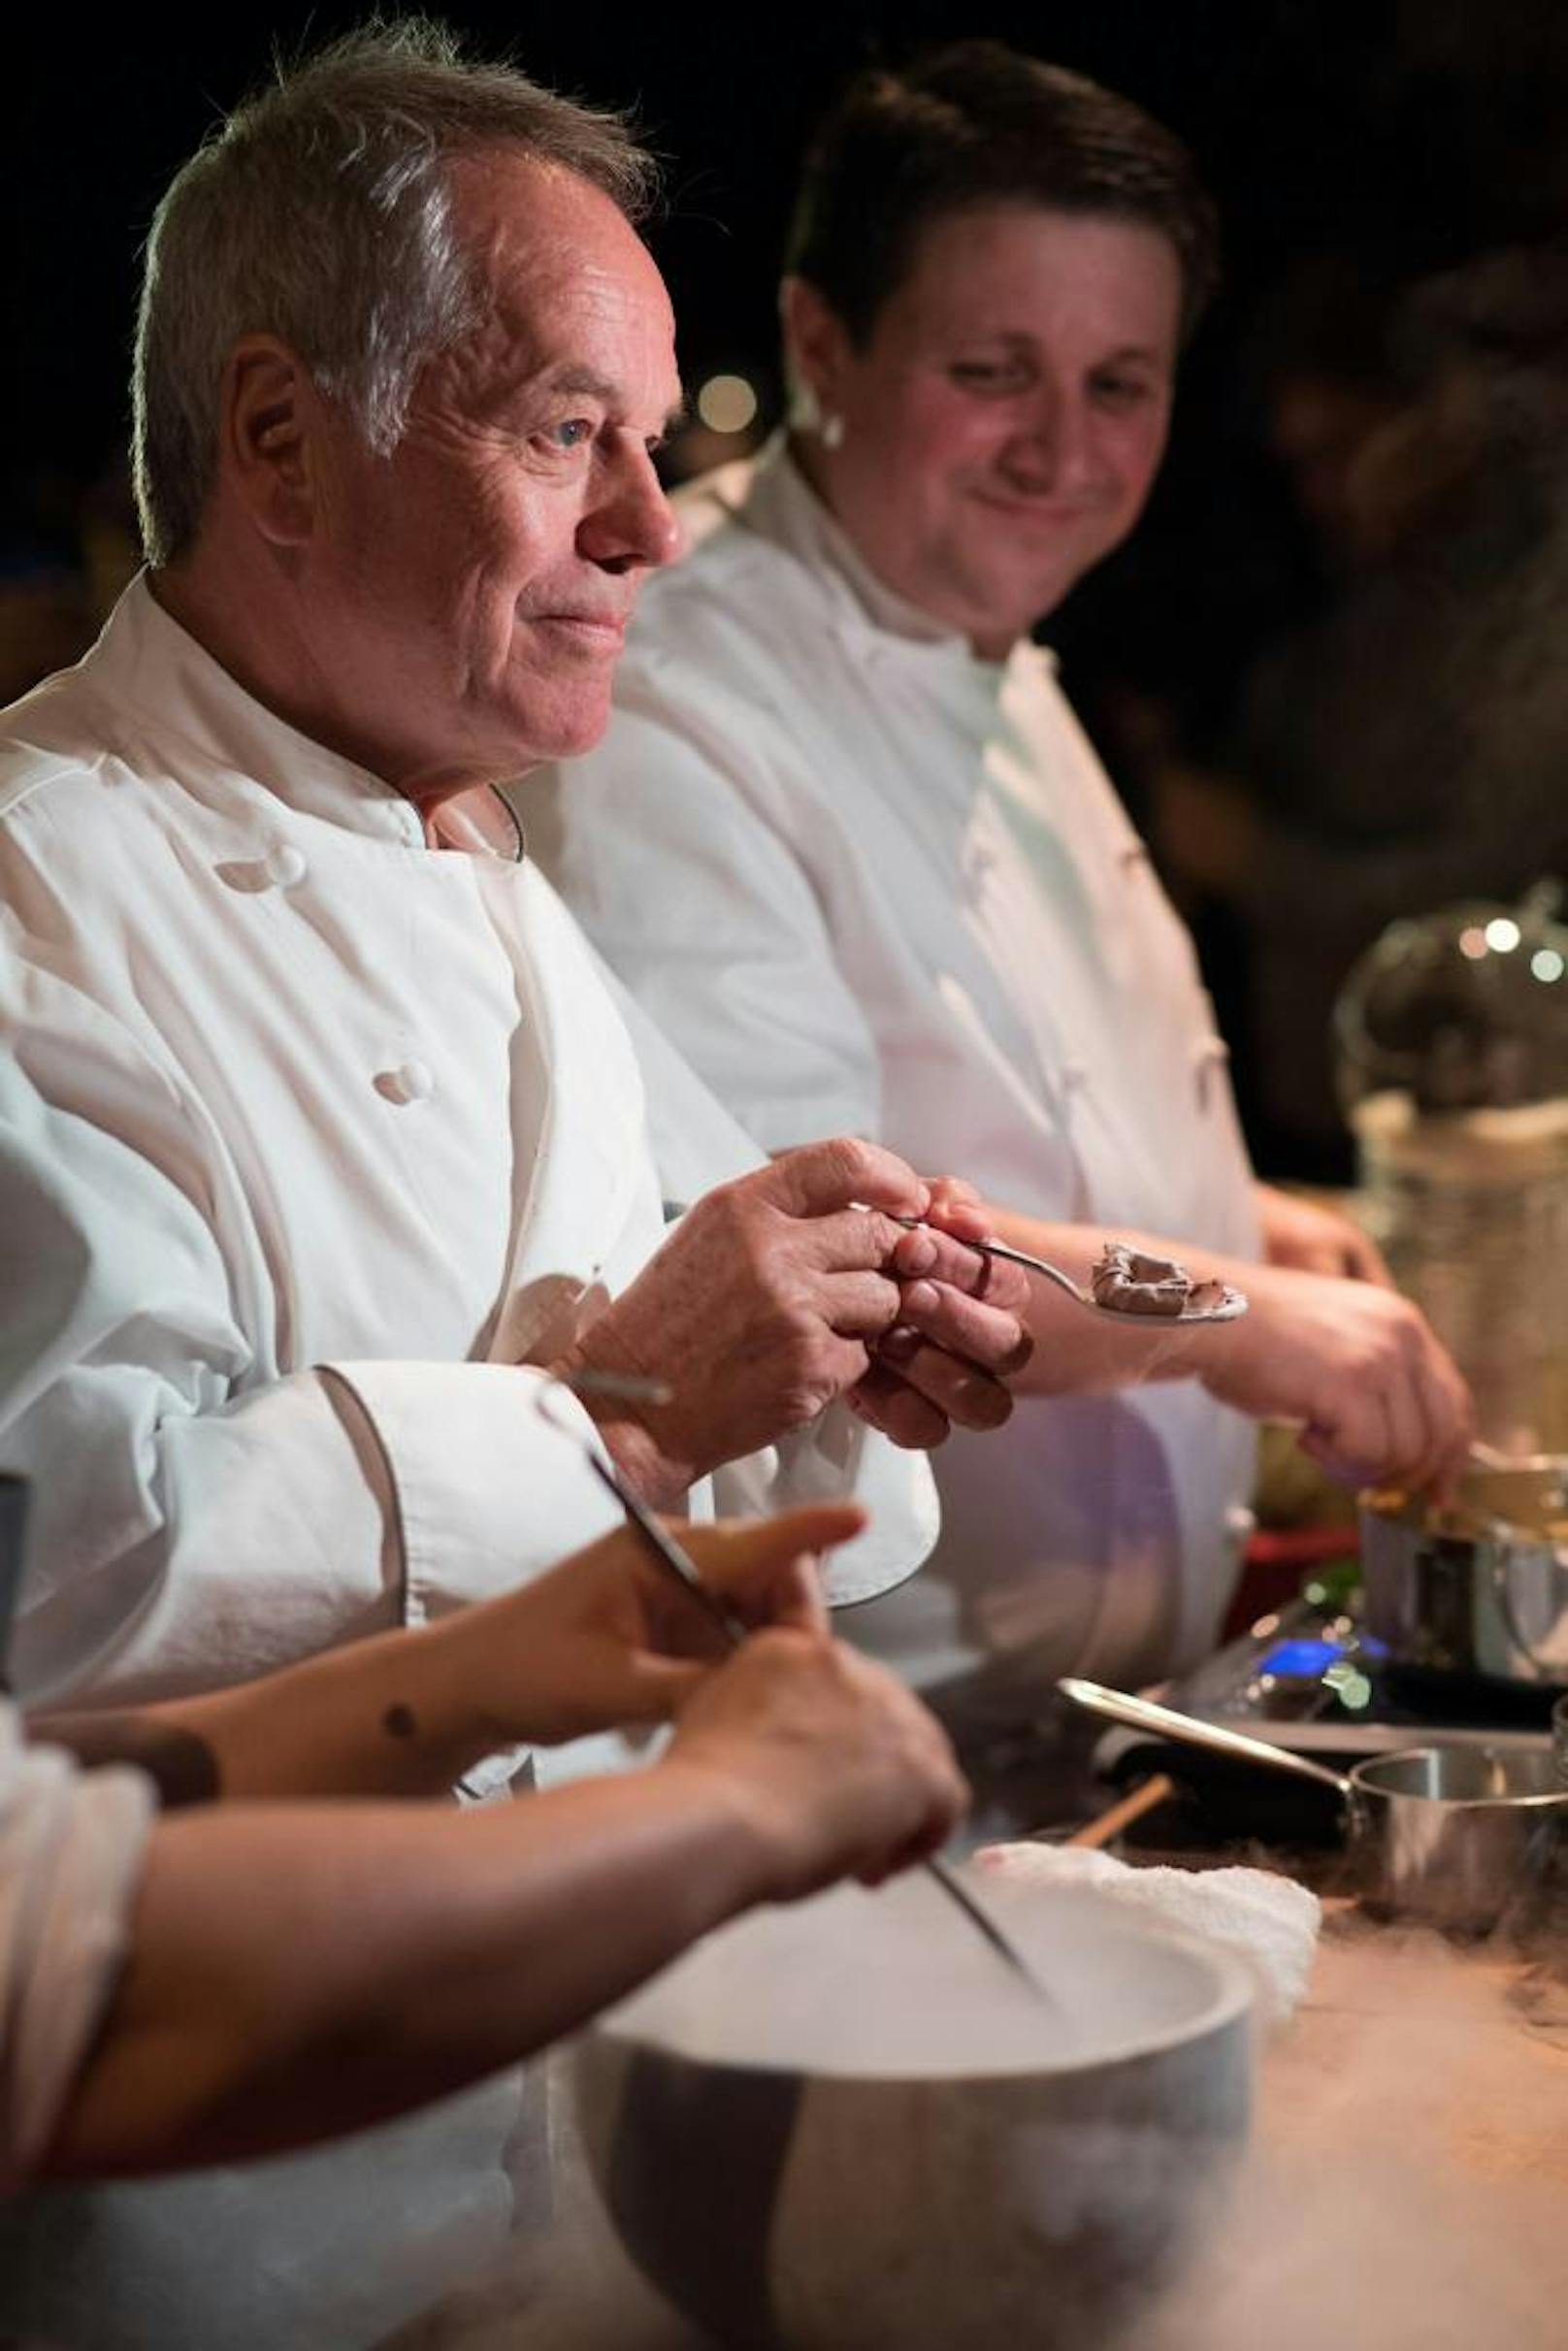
x=830, y=432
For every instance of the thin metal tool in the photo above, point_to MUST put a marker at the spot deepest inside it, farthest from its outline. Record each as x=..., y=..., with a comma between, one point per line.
x=1230, y=1308
x=679, y=1562
x=980, y=1918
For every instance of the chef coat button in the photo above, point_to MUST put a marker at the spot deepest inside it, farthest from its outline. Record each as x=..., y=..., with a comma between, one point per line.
x=410, y=1082
x=1074, y=1077
x=1208, y=1056
x=286, y=865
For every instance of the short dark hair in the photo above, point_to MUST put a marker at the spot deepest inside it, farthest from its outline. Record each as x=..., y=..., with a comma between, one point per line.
x=977, y=123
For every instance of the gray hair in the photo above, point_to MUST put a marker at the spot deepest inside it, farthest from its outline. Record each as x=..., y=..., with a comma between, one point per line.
x=319, y=212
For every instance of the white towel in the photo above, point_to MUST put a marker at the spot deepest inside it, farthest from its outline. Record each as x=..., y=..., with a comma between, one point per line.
x=1270, y=1921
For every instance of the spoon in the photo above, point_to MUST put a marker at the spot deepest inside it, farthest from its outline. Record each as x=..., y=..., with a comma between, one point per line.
x=679, y=1563
x=1229, y=1308
x=1143, y=1715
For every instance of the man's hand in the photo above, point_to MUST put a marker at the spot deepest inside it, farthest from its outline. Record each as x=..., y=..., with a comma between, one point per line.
x=960, y=1336
x=1311, y=1239
x=612, y=1638
x=1377, y=1397
x=766, y=1304
x=832, y=1765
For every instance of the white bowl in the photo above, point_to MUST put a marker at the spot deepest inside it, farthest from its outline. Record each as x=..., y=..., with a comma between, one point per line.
x=845, y=2127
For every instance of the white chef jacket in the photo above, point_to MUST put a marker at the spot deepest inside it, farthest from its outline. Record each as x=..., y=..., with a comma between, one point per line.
x=71, y=1845
x=872, y=884
x=308, y=1137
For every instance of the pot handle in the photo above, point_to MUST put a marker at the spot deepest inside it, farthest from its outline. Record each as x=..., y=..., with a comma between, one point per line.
x=1142, y=1714
x=1502, y=1594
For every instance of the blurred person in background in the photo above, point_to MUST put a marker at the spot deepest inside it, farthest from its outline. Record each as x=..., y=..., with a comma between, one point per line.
x=273, y=1971
x=846, y=842
x=1400, y=748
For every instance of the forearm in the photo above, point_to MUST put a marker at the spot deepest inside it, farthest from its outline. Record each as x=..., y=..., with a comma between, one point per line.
x=391, y=1716
x=302, y=1970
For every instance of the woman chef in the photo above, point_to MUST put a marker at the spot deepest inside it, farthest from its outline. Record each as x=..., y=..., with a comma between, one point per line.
x=848, y=845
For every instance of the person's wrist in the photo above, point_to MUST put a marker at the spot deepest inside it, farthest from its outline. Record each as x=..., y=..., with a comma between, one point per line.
x=753, y=1855
x=661, y=1481
x=474, y=1691
x=1221, y=1353
x=646, y=1447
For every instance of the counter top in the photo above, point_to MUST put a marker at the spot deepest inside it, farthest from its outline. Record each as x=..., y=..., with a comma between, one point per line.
x=1406, y=2188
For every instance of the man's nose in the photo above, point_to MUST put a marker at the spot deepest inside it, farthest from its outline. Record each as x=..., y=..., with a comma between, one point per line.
x=630, y=525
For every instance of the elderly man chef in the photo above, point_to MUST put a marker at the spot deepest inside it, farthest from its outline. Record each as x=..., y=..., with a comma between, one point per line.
x=324, y=1119
x=840, y=774
x=336, y=1133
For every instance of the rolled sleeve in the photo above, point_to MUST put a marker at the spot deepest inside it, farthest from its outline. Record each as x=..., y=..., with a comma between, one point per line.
x=486, y=1492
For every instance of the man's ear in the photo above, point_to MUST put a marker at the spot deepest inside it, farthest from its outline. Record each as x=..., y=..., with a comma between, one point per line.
x=272, y=438
x=816, y=348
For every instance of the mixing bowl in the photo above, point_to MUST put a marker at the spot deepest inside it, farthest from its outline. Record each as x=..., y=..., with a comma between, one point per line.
x=845, y=2126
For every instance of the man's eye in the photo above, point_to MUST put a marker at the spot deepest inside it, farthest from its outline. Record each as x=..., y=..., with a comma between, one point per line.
x=569, y=434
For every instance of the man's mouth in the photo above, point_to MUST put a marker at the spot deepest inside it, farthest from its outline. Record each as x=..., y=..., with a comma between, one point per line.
x=606, y=631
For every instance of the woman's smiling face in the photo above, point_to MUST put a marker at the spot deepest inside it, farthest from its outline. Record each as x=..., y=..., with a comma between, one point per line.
x=1005, y=417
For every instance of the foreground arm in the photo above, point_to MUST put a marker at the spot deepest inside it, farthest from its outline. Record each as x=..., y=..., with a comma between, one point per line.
x=604, y=1640
x=300, y=1971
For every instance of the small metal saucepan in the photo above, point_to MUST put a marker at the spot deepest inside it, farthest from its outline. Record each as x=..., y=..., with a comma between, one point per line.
x=1480, y=1586
x=1449, y=1837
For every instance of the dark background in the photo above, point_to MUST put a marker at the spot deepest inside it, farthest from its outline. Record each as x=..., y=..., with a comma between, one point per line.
x=1401, y=138
x=1415, y=132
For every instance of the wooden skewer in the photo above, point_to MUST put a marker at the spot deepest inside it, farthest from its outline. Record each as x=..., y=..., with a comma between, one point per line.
x=1122, y=1814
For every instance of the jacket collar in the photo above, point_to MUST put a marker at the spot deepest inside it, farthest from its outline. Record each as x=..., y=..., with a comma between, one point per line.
x=770, y=496
x=156, y=678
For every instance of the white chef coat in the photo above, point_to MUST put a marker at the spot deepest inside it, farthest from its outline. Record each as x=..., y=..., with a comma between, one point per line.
x=71, y=1845
x=872, y=884
x=308, y=1137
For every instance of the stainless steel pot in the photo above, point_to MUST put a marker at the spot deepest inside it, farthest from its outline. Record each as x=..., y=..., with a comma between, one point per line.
x=1480, y=1587
x=1449, y=1837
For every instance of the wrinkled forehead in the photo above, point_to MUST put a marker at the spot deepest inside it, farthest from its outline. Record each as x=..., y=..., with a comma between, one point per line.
x=559, y=266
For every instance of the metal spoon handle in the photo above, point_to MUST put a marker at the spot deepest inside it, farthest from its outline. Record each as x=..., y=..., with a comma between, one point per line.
x=1044, y=1267
x=1142, y=1714
x=671, y=1554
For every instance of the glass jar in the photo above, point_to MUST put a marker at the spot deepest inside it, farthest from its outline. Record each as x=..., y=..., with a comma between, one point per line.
x=1451, y=1036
